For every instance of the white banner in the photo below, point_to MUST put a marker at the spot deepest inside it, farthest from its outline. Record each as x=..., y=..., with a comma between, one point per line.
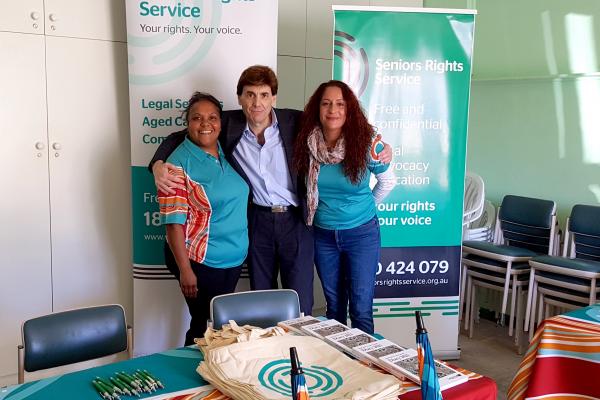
x=176, y=48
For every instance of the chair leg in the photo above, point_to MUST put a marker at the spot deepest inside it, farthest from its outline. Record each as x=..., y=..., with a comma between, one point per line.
x=532, y=311
x=513, y=298
x=530, y=293
x=505, y=294
x=474, y=310
x=21, y=364
x=468, y=301
x=129, y=342
x=540, y=312
x=593, y=291
x=463, y=282
x=519, y=319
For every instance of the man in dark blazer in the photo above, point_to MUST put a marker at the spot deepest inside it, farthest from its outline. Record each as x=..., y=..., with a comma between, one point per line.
x=258, y=141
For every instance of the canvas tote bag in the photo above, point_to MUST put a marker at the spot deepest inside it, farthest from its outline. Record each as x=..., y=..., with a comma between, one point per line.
x=261, y=370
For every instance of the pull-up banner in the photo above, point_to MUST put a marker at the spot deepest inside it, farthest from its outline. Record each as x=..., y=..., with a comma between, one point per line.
x=174, y=49
x=411, y=70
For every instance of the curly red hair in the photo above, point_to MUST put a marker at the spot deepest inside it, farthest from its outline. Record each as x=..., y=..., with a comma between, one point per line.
x=358, y=133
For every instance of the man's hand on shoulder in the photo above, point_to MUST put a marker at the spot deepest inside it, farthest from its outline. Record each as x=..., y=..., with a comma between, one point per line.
x=165, y=178
x=386, y=154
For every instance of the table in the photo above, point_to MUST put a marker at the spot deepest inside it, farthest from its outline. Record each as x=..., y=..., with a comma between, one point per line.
x=563, y=359
x=177, y=370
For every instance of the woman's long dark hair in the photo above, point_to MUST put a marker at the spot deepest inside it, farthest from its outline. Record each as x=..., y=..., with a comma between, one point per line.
x=357, y=132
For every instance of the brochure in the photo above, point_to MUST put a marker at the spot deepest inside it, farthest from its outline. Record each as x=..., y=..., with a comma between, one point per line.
x=325, y=328
x=348, y=340
x=406, y=364
x=374, y=351
x=295, y=324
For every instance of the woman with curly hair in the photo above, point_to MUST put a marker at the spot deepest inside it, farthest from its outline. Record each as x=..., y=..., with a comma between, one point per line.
x=333, y=150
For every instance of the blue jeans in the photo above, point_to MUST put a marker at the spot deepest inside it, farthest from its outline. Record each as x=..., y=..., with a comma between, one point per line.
x=346, y=262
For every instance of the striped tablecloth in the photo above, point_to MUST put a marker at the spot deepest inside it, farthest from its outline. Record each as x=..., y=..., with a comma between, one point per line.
x=563, y=359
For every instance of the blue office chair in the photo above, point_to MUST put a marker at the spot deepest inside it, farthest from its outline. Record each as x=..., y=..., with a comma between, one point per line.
x=526, y=227
x=573, y=277
x=262, y=308
x=73, y=336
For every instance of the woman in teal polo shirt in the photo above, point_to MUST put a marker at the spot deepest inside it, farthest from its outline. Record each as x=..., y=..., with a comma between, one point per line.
x=206, y=223
x=334, y=151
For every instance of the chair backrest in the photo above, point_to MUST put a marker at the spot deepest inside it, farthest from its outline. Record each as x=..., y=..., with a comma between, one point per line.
x=474, y=198
x=73, y=336
x=262, y=308
x=583, y=232
x=482, y=229
x=528, y=222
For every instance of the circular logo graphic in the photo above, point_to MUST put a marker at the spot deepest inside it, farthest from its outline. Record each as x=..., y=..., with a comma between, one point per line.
x=320, y=381
x=172, y=46
x=355, y=62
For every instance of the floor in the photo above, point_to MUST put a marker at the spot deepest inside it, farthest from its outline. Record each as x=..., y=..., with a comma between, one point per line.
x=490, y=352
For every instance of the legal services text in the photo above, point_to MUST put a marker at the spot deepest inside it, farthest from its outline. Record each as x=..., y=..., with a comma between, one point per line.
x=384, y=67
x=410, y=207
x=173, y=11
x=410, y=267
x=416, y=66
x=164, y=104
x=177, y=29
x=178, y=10
x=411, y=282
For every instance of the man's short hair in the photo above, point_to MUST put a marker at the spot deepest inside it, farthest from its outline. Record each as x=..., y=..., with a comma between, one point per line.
x=258, y=75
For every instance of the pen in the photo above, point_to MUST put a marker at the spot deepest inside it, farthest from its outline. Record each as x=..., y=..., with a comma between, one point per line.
x=158, y=382
x=137, y=382
x=147, y=377
x=121, y=386
x=145, y=381
x=108, y=389
x=113, y=388
x=128, y=379
x=127, y=382
x=103, y=393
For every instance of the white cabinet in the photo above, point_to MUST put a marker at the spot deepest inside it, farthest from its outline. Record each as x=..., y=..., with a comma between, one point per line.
x=25, y=266
x=25, y=16
x=89, y=144
x=65, y=157
x=90, y=19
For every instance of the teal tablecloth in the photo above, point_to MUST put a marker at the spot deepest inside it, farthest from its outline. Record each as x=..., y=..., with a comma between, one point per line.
x=175, y=368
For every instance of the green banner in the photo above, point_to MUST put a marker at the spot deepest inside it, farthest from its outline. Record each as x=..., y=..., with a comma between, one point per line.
x=411, y=70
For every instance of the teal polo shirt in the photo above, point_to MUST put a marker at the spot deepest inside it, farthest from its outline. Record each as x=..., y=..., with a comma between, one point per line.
x=342, y=204
x=212, y=208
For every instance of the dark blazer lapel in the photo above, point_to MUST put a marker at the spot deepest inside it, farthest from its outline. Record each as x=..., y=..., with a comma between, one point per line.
x=233, y=125
x=286, y=131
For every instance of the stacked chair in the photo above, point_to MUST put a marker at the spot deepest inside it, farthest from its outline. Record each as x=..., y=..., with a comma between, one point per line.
x=474, y=201
x=525, y=228
x=570, y=281
x=482, y=229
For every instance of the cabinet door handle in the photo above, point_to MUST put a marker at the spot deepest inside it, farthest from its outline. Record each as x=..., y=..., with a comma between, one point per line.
x=53, y=17
x=40, y=145
x=35, y=15
x=56, y=146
